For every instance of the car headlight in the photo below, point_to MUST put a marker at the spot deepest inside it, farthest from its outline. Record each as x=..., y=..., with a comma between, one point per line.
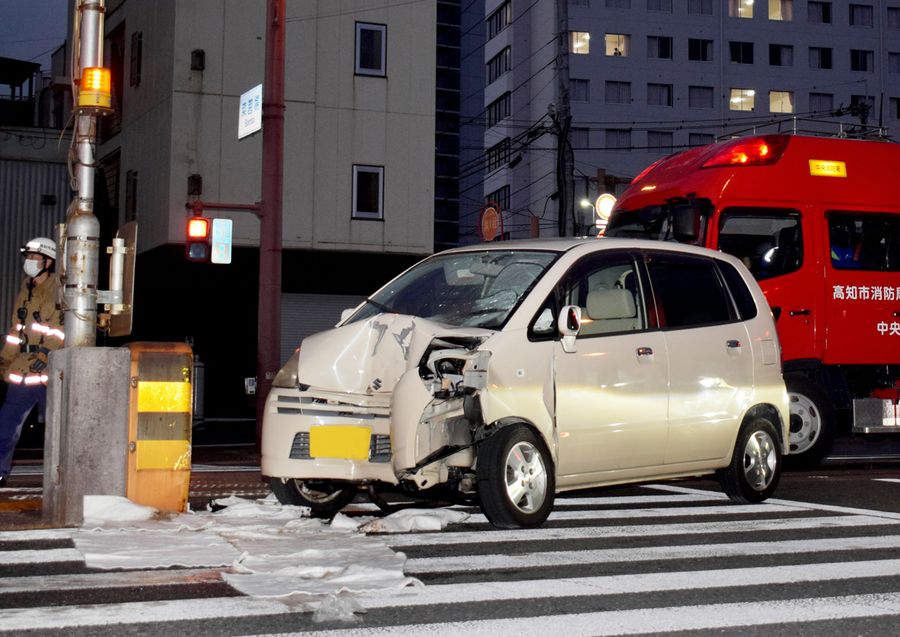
x=287, y=375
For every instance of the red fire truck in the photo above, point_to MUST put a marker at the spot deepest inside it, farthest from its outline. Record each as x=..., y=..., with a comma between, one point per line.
x=817, y=221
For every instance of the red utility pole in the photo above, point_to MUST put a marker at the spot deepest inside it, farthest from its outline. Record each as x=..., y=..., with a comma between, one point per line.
x=268, y=337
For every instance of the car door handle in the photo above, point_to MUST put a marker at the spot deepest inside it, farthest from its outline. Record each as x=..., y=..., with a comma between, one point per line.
x=645, y=352
x=803, y=312
x=733, y=344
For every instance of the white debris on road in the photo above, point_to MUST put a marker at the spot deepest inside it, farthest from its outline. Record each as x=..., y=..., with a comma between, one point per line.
x=266, y=549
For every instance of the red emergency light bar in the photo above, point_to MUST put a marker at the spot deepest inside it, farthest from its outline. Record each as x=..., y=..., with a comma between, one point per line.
x=754, y=151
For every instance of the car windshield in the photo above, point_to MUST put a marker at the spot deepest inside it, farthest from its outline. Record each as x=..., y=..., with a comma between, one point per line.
x=474, y=289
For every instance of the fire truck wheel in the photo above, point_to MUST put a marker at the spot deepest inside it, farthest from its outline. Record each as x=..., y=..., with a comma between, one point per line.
x=324, y=498
x=516, y=484
x=812, y=423
x=755, y=468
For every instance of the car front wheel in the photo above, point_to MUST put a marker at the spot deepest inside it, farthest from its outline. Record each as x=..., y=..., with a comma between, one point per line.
x=516, y=482
x=755, y=467
x=324, y=498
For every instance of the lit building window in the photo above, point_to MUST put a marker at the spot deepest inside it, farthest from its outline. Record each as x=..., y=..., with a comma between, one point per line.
x=580, y=42
x=781, y=102
x=618, y=44
x=742, y=99
x=740, y=8
x=781, y=10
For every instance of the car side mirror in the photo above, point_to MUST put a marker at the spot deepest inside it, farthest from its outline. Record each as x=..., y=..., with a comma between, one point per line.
x=568, y=324
x=345, y=314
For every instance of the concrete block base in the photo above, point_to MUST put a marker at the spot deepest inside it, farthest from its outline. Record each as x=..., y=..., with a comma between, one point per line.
x=86, y=438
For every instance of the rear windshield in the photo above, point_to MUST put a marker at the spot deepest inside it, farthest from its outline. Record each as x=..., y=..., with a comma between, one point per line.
x=864, y=241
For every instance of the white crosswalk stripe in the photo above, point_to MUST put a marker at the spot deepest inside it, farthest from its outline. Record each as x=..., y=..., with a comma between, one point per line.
x=667, y=559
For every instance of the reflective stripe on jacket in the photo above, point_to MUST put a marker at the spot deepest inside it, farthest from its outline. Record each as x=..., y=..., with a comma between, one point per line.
x=36, y=330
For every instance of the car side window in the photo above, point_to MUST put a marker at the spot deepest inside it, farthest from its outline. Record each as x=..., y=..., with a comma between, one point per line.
x=607, y=288
x=689, y=291
x=743, y=298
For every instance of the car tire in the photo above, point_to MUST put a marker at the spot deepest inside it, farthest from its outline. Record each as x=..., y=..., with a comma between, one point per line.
x=516, y=481
x=812, y=424
x=324, y=498
x=755, y=468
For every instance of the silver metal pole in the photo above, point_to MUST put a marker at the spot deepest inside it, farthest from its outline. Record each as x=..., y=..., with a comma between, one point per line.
x=82, y=227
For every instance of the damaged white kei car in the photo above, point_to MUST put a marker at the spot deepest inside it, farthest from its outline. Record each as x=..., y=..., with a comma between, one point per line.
x=502, y=374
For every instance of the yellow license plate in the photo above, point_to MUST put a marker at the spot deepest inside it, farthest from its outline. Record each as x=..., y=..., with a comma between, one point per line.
x=346, y=441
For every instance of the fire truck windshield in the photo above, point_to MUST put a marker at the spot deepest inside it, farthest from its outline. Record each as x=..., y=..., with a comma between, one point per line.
x=676, y=220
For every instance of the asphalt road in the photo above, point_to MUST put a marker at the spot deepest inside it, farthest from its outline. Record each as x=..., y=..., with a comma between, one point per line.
x=822, y=558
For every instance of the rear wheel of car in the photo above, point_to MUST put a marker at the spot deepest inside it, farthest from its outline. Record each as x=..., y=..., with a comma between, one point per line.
x=324, y=498
x=812, y=425
x=755, y=467
x=516, y=482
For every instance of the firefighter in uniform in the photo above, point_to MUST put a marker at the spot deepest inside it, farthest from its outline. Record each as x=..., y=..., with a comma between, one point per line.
x=36, y=330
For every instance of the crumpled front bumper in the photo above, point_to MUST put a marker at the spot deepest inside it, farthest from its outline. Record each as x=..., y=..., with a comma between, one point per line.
x=327, y=436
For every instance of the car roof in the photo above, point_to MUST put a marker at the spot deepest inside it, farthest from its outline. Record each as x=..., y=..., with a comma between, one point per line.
x=583, y=245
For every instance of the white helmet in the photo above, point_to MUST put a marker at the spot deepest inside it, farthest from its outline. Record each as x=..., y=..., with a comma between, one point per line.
x=40, y=245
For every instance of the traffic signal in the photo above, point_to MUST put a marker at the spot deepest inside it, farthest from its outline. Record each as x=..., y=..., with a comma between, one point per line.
x=197, y=244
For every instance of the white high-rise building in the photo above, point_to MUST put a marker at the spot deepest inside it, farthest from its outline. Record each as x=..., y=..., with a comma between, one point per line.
x=645, y=78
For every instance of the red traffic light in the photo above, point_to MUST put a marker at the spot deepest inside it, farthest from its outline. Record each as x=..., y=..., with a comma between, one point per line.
x=198, y=228
x=197, y=243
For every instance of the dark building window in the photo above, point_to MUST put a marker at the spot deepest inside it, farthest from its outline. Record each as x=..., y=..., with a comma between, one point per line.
x=819, y=12
x=659, y=47
x=371, y=49
x=781, y=55
x=131, y=180
x=137, y=48
x=741, y=52
x=700, y=50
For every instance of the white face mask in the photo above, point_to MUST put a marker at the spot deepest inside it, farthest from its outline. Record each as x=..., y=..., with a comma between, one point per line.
x=32, y=267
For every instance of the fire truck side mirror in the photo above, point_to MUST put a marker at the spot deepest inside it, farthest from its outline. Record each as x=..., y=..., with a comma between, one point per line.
x=686, y=221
